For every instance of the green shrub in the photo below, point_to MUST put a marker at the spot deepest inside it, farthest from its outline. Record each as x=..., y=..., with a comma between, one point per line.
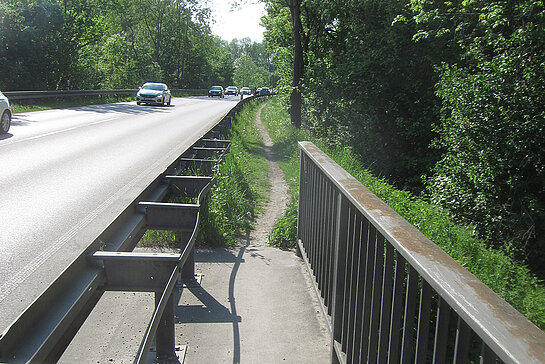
x=508, y=278
x=284, y=232
x=241, y=182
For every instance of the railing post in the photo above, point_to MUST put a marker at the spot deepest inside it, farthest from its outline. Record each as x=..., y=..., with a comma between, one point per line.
x=301, y=201
x=165, y=336
x=188, y=269
x=339, y=269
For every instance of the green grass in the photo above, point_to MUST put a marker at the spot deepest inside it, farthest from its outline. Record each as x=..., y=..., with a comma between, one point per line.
x=509, y=279
x=239, y=193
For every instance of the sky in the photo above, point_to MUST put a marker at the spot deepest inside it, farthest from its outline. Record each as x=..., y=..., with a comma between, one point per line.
x=241, y=22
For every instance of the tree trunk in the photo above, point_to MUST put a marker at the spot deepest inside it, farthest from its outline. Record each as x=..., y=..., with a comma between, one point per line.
x=298, y=65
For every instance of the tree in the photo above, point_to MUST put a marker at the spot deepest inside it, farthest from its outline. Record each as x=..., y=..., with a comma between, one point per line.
x=492, y=173
x=298, y=64
x=247, y=73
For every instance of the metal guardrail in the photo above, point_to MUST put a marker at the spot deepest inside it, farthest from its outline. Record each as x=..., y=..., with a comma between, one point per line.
x=43, y=331
x=389, y=294
x=30, y=95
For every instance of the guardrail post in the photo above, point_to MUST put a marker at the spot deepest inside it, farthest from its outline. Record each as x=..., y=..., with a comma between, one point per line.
x=339, y=269
x=165, y=336
x=188, y=269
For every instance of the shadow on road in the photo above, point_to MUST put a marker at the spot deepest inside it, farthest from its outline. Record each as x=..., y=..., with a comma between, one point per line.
x=5, y=136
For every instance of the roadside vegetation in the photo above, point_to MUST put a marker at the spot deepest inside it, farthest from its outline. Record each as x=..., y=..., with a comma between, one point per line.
x=239, y=193
x=444, y=99
x=119, y=44
x=241, y=185
x=504, y=275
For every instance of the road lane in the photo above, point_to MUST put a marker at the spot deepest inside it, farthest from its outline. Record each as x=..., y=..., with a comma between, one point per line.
x=66, y=173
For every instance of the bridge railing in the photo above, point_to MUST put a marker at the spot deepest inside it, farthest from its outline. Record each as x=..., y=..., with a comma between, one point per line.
x=390, y=295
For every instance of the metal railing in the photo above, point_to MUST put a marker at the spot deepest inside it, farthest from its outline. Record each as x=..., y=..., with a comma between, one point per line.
x=34, y=95
x=43, y=331
x=389, y=294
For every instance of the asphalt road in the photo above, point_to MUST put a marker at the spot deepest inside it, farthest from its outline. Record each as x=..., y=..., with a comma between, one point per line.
x=65, y=174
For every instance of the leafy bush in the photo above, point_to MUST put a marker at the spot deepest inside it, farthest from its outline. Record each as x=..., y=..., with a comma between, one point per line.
x=284, y=232
x=508, y=278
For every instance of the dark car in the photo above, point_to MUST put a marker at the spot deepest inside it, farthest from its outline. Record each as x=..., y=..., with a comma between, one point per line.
x=265, y=91
x=216, y=91
x=153, y=93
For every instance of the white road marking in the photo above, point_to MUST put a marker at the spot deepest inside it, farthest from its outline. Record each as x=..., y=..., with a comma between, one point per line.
x=57, y=132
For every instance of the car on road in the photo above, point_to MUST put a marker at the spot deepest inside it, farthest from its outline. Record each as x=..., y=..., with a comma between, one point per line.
x=231, y=90
x=153, y=93
x=265, y=91
x=5, y=114
x=216, y=91
x=245, y=91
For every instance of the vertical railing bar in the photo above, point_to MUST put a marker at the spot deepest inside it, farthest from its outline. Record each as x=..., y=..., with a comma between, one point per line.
x=362, y=231
x=487, y=355
x=370, y=242
x=407, y=345
x=441, y=332
x=325, y=255
x=387, y=288
x=376, y=299
x=304, y=190
x=339, y=274
x=314, y=218
x=311, y=210
x=423, y=324
x=463, y=339
x=301, y=205
x=321, y=239
x=354, y=279
x=331, y=263
x=397, y=311
x=349, y=253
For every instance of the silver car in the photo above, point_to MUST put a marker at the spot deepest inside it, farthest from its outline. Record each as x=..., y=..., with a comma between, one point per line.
x=153, y=93
x=5, y=114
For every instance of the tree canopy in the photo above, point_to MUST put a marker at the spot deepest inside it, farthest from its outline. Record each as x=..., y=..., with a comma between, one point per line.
x=443, y=98
x=112, y=44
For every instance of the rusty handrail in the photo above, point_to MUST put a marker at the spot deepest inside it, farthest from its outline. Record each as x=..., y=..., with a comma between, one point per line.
x=387, y=289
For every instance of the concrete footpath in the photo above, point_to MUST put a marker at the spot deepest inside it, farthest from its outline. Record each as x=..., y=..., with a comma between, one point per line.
x=255, y=304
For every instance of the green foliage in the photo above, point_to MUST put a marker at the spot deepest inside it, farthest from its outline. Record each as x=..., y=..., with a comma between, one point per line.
x=284, y=232
x=504, y=275
x=248, y=74
x=374, y=93
x=237, y=195
x=492, y=173
x=114, y=44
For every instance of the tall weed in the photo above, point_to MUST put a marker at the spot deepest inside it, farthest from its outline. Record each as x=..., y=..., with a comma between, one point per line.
x=241, y=182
